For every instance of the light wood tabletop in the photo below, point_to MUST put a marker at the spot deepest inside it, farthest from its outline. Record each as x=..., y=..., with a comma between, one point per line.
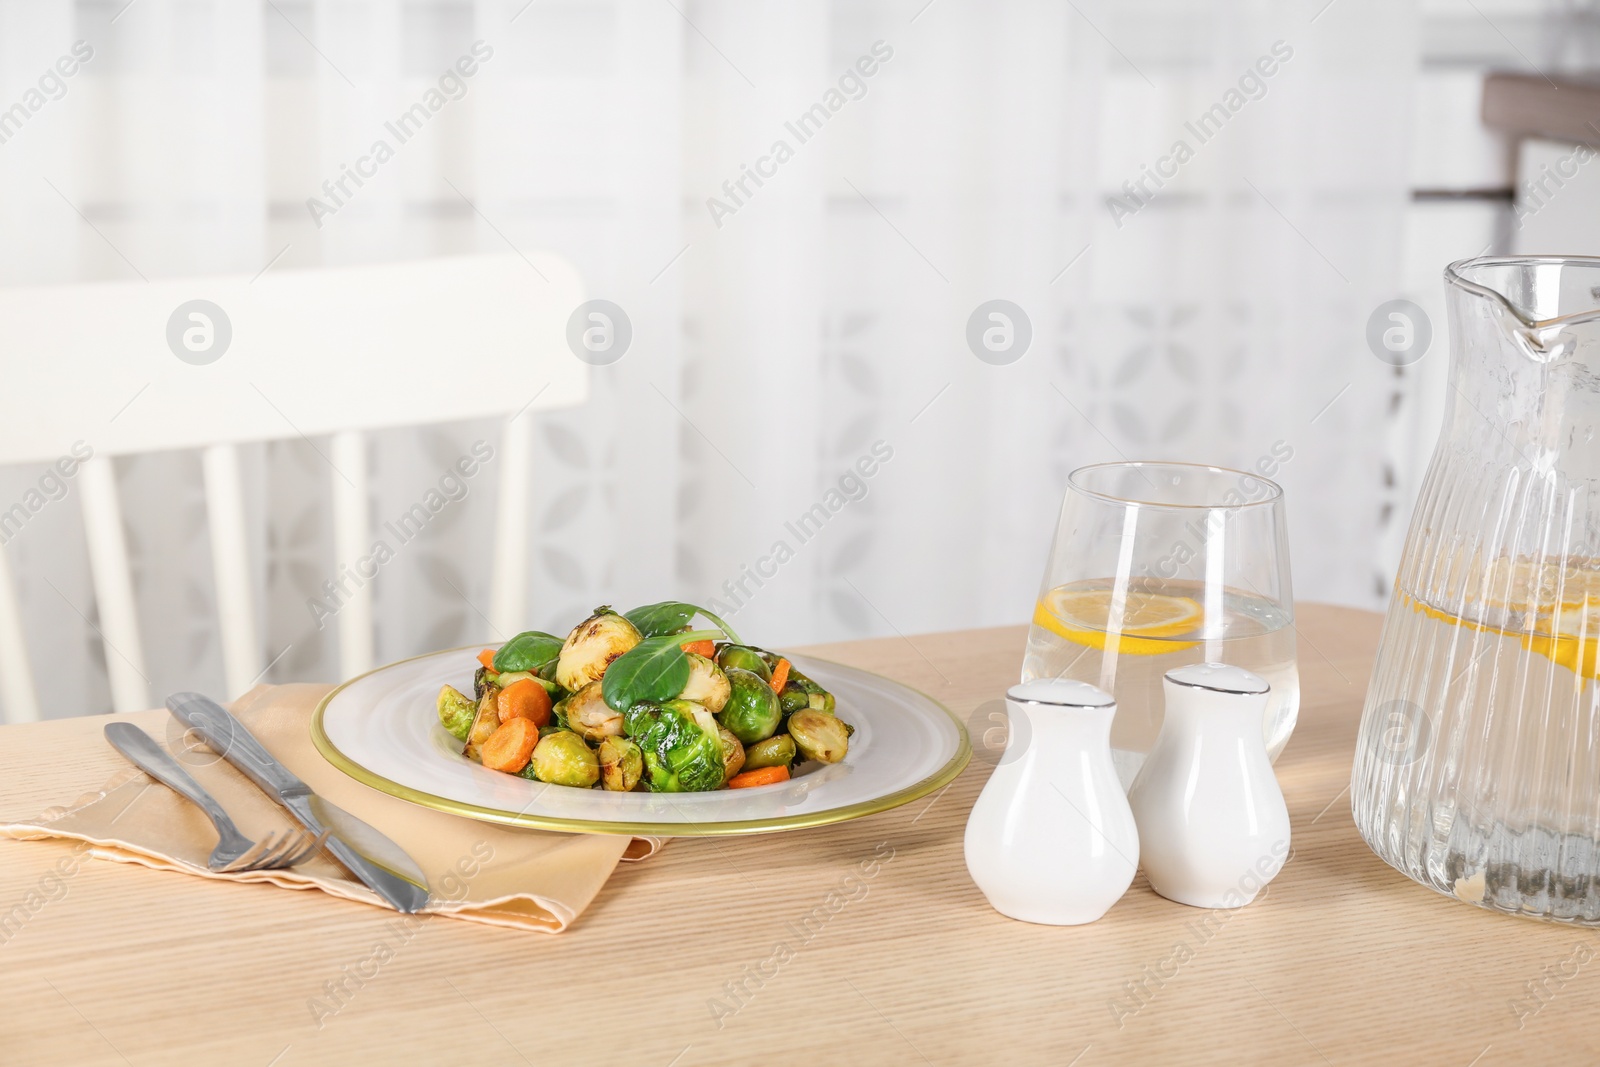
x=864, y=942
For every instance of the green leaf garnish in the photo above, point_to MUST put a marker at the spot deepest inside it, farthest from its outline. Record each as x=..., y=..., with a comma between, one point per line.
x=658, y=620
x=528, y=651
x=654, y=670
x=673, y=617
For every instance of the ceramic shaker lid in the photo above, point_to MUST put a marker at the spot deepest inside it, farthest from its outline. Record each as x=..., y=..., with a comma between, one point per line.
x=1062, y=691
x=1220, y=677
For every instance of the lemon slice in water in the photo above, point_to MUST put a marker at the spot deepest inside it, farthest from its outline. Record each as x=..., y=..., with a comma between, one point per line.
x=1149, y=621
x=1567, y=636
x=1517, y=584
x=1572, y=639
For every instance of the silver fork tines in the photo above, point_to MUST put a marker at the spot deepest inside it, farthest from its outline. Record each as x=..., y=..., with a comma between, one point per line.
x=235, y=853
x=276, y=851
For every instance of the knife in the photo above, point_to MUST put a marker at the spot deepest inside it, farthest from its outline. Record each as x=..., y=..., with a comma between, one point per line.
x=377, y=861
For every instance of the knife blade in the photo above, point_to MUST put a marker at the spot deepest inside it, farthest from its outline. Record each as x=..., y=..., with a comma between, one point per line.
x=378, y=862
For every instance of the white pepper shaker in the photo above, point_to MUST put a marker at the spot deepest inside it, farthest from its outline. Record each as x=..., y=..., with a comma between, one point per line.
x=1051, y=839
x=1212, y=820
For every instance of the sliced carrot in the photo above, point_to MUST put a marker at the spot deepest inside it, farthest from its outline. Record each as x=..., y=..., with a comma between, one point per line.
x=780, y=675
x=526, y=699
x=750, y=779
x=511, y=746
x=486, y=657
x=701, y=648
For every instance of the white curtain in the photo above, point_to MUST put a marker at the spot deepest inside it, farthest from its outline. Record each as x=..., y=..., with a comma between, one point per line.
x=799, y=430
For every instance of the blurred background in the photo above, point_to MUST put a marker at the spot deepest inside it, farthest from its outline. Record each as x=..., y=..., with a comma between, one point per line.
x=1194, y=212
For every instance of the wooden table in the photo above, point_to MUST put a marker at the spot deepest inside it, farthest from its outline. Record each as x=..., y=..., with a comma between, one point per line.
x=1342, y=960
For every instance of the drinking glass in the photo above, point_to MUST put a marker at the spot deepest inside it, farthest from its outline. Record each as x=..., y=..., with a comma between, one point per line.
x=1159, y=565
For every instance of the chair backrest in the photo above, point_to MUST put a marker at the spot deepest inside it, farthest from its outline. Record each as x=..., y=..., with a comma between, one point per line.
x=124, y=367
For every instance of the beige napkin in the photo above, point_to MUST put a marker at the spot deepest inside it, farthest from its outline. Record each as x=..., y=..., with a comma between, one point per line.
x=477, y=871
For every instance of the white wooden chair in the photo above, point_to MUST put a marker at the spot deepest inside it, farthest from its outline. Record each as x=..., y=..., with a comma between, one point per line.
x=336, y=351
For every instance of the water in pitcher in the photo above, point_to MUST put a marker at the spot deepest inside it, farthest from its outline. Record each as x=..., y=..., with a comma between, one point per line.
x=1502, y=692
x=1124, y=643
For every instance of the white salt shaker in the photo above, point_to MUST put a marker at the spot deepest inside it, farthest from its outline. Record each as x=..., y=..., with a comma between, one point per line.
x=1051, y=839
x=1211, y=817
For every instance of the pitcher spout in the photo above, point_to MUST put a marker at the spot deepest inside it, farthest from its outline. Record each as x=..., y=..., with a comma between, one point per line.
x=1547, y=307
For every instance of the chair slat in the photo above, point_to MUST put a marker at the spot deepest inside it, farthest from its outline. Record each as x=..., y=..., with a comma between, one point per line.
x=230, y=561
x=352, y=533
x=113, y=586
x=16, y=674
x=508, y=581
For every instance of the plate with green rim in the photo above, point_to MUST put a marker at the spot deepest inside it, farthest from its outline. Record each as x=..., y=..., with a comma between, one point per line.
x=382, y=729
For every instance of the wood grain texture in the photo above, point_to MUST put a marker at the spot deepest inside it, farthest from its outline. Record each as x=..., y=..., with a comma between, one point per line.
x=876, y=946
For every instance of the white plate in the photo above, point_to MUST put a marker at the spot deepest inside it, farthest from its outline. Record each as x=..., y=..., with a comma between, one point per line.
x=382, y=730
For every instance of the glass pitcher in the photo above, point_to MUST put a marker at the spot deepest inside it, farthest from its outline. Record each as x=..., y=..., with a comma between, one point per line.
x=1477, y=769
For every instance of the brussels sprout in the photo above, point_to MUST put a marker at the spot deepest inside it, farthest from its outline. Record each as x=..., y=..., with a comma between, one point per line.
x=752, y=713
x=621, y=764
x=482, y=680
x=817, y=698
x=707, y=684
x=591, y=646
x=456, y=712
x=744, y=658
x=586, y=712
x=819, y=736
x=484, y=723
x=562, y=758
x=509, y=678
x=775, y=751
x=793, y=698
x=681, y=746
x=732, y=752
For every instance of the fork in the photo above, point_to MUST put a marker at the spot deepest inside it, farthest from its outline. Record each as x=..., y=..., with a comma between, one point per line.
x=234, y=853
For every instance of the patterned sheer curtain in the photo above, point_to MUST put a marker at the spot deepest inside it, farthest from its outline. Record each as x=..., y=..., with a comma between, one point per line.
x=800, y=206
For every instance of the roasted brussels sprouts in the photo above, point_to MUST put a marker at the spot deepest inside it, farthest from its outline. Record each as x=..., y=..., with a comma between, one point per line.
x=586, y=712
x=776, y=751
x=707, y=684
x=509, y=678
x=744, y=658
x=793, y=698
x=732, y=752
x=752, y=713
x=621, y=764
x=456, y=712
x=484, y=723
x=685, y=710
x=562, y=758
x=819, y=736
x=817, y=698
x=681, y=746
x=591, y=646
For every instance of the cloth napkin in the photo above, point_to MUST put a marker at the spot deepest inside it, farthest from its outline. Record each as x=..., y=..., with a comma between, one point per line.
x=477, y=871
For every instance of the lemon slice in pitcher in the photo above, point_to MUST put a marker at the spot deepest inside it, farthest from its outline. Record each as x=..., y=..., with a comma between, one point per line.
x=1572, y=639
x=1522, y=584
x=1149, y=620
